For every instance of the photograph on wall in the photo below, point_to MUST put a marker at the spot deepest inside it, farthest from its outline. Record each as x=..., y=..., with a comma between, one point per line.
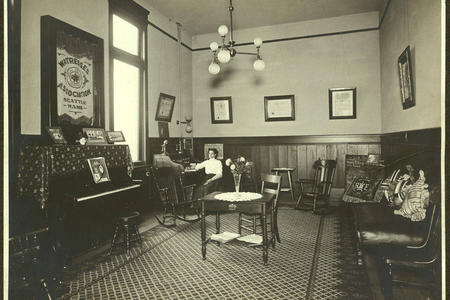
x=163, y=129
x=72, y=75
x=219, y=148
x=221, y=110
x=98, y=169
x=164, y=111
x=279, y=108
x=342, y=103
x=406, y=79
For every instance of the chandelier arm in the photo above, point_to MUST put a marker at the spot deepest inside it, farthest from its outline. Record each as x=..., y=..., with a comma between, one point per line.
x=246, y=53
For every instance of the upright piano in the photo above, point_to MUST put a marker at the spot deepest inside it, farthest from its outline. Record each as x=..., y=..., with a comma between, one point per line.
x=80, y=213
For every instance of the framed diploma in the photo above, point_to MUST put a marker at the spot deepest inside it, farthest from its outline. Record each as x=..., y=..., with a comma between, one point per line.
x=221, y=111
x=165, y=107
x=279, y=108
x=342, y=103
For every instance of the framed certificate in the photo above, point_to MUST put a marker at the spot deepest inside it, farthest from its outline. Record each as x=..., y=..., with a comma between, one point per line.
x=342, y=103
x=279, y=108
x=165, y=107
x=221, y=111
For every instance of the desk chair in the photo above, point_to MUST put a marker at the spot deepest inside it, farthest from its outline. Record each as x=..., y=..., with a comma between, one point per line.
x=176, y=198
x=319, y=194
x=271, y=185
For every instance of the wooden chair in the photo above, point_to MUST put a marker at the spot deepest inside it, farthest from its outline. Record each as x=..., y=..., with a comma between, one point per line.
x=271, y=184
x=176, y=198
x=319, y=193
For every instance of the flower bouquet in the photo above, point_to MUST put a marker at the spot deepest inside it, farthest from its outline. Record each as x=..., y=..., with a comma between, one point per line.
x=238, y=167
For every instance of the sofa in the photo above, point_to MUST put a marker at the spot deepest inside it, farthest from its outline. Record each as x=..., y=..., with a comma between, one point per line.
x=389, y=230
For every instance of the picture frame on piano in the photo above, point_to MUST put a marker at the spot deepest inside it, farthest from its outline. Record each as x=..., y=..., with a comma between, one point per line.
x=98, y=169
x=95, y=136
x=56, y=135
x=114, y=137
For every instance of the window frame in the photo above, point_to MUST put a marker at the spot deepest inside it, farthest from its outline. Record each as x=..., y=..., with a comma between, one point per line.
x=137, y=16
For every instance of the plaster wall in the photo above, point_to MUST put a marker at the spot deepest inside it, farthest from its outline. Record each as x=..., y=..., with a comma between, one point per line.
x=416, y=23
x=164, y=70
x=306, y=68
x=90, y=16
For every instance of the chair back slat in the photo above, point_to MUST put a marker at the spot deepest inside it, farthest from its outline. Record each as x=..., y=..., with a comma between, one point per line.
x=271, y=184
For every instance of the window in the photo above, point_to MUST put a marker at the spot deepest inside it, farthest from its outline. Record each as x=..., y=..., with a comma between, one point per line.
x=128, y=37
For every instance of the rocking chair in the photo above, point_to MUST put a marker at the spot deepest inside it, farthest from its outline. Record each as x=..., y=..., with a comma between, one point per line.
x=319, y=194
x=176, y=198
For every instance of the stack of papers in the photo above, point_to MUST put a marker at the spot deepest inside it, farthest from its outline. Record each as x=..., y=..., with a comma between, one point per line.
x=252, y=238
x=224, y=236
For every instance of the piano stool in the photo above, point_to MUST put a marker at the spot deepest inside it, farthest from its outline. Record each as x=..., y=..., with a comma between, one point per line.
x=128, y=226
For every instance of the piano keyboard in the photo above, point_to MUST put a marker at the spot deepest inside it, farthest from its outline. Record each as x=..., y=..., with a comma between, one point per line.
x=84, y=198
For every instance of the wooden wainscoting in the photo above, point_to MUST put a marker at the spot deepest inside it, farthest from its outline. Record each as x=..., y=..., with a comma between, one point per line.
x=296, y=151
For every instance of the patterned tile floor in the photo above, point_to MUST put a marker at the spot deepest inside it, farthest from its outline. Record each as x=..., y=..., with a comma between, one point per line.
x=169, y=265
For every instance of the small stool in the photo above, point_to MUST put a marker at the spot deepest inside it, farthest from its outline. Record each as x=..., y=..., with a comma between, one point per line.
x=127, y=224
x=289, y=174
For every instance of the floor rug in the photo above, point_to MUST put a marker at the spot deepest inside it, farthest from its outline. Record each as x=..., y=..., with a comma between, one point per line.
x=311, y=262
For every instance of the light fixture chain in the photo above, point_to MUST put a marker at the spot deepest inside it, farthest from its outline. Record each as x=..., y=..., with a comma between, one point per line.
x=231, y=23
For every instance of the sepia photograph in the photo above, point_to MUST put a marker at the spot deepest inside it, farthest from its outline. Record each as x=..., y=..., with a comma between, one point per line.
x=226, y=149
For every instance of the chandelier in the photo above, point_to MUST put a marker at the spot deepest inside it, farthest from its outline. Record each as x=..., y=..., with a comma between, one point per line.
x=223, y=53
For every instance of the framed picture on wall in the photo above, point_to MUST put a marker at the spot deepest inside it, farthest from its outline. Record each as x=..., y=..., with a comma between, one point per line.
x=219, y=148
x=221, y=110
x=342, y=103
x=279, y=108
x=72, y=77
x=164, y=110
x=406, y=79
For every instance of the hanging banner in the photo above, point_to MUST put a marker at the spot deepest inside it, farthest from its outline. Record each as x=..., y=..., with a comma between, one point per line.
x=74, y=83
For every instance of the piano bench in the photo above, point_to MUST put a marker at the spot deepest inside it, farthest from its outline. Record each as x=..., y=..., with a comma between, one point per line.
x=127, y=225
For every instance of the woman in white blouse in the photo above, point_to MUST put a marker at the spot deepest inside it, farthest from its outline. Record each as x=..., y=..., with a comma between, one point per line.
x=213, y=172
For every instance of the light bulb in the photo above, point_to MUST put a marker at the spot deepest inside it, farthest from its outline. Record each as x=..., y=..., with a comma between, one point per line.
x=259, y=65
x=188, y=118
x=222, y=30
x=258, y=42
x=214, y=68
x=188, y=128
x=224, y=56
x=214, y=46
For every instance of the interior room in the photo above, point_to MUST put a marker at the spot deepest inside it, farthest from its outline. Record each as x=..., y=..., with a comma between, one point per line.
x=246, y=149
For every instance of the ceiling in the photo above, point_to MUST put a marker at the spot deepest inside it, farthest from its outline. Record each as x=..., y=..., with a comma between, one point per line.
x=204, y=16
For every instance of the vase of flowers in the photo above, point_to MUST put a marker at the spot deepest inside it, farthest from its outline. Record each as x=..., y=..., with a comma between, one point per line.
x=238, y=167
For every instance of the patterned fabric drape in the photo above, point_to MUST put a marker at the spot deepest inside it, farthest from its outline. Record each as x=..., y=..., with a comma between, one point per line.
x=38, y=163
